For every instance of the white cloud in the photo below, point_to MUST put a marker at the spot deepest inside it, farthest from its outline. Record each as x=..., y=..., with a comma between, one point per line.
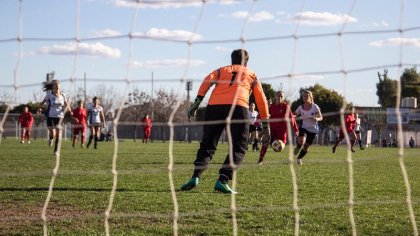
x=158, y=4
x=106, y=33
x=256, y=17
x=168, y=3
x=93, y=49
x=380, y=24
x=223, y=49
x=181, y=35
x=227, y=2
x=322, y=18
x=153, y=64
x=415, y=42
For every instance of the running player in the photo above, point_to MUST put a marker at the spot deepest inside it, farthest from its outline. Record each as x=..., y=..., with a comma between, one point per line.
x=349, y=122
x=56, y=106
x=79, y=126
x=96, y=119
x=26, y=119
x=279, y=111
x=310, y=114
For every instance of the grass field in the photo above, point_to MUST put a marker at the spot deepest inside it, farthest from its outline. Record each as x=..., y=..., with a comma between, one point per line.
x=143, y=203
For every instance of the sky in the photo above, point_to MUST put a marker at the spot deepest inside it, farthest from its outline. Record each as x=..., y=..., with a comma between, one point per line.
x=127, y=44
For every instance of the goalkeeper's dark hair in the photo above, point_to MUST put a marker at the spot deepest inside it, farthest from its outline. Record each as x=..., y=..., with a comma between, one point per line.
x=48, y=86
x=239, y=57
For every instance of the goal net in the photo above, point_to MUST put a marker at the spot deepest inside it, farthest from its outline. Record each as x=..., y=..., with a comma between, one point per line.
x=150, y=57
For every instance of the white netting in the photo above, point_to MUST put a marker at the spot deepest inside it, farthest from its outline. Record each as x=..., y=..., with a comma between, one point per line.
x=189, y=44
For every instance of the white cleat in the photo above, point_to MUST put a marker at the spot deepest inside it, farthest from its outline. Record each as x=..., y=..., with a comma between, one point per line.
x=29, y=142
x=50, y=142
x=299, y=162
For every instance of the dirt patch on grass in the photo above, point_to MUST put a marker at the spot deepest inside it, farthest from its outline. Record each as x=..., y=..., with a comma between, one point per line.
x=25, y=217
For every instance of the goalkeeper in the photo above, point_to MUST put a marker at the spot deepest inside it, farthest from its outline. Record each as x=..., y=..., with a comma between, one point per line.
x=233, y=86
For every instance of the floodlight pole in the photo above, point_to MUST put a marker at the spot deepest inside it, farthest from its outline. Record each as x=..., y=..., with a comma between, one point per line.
x=136, y=96
x=84, y=88
x=151, y=94
x=189, y=88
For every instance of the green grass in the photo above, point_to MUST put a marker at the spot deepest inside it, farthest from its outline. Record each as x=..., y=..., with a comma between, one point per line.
x=143, y=203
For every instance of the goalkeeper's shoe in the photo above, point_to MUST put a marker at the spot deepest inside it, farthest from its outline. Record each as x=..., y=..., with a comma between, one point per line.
x=192, y=183
x=224, y=188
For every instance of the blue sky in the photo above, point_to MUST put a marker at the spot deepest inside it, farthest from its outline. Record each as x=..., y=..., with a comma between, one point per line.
x=188, y=39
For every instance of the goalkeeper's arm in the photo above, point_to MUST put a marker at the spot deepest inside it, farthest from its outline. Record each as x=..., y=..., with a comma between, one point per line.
x=194, y=106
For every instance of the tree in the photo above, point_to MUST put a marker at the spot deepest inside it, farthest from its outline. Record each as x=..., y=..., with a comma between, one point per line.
x=32, y=107
x=3, y=107
x=159, y=108
x=386, y=90
x=5, y=101
x=163, y=104
x=329, y=101
x=108, y=97
x=269, y=92
x=410, y=83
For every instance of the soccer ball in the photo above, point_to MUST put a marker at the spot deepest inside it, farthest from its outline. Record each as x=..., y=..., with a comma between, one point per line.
x=277, y=145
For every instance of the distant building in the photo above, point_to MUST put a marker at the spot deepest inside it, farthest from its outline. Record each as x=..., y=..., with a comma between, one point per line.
x=383, y=123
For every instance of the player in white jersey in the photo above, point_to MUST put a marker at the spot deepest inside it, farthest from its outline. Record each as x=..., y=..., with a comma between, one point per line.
x=57, y=104
x=253, y=129
x=310, y=114
x=96, y=119
x=358, y=130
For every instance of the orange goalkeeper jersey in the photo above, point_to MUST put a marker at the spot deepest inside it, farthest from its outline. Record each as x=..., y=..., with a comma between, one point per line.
x=232, y=80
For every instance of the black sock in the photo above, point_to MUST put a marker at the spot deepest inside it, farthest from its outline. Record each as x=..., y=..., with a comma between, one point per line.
x=302, y=153
x=360, y=143
x=90, y=140
x=56, y=145
x=224, y=179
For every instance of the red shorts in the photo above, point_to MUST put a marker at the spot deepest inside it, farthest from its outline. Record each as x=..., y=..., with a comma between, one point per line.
x=78, y=129
x=147, y=132
x=277, y=134
x=341, y=135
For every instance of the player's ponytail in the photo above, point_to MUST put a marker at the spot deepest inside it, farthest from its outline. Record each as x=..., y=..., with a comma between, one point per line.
x=48, y=86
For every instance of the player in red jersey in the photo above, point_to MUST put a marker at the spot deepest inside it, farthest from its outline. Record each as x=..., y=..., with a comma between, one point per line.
x=147, y=127
x=26, y=119
x=349, y=122
x=79, y=126
x=279, y=111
